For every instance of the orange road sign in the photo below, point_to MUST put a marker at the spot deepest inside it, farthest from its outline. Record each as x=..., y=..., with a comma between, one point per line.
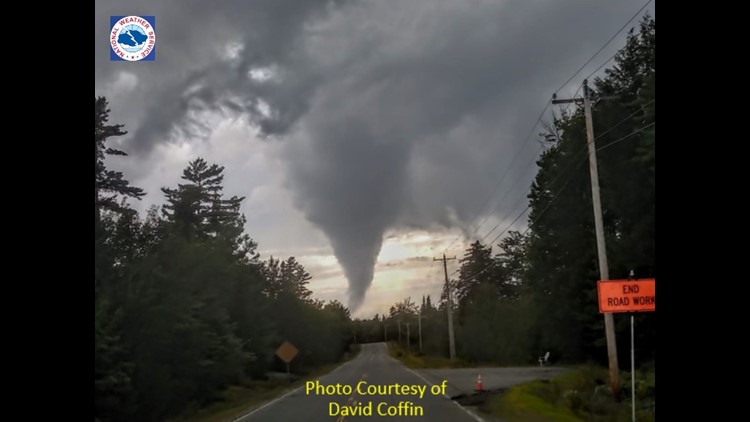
x=627, y=295
x=286, y=352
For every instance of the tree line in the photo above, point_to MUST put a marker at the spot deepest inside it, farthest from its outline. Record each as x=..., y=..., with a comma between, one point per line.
x=535, y=291
x=184, y=306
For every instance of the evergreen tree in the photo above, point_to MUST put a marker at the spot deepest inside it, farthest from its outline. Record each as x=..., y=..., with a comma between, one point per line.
x=197, y=207
x=108, y=183
x=286, y=277
x=562, y=264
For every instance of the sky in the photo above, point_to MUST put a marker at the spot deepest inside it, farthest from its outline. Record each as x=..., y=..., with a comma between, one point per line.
x=368, y=137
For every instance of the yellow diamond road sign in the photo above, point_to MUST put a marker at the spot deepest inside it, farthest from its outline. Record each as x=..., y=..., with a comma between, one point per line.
x=286, y=352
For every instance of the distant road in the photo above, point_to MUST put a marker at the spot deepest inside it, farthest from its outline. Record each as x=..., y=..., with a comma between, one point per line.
x=374, y=366
x=463, y=381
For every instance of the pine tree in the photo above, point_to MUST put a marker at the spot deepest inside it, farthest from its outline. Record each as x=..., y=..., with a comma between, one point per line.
x=108, y=184
x=286, y=277
x=477, y=267
x=198, y=208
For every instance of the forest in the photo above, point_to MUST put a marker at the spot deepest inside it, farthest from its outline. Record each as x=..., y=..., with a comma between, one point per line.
x=183, y=304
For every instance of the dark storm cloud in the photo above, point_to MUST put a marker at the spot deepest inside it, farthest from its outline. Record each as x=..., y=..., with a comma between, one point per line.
x=393, y=114
x=189, y=74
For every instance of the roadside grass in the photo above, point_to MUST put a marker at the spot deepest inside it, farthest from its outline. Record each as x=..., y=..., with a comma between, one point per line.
x=578, y=396
x=237, y=400
x=416, y=360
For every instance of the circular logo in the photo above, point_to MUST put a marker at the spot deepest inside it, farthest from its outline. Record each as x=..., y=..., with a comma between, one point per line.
x=132, y=38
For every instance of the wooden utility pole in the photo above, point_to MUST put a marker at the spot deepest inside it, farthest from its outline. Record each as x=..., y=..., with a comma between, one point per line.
x=609, y=324
x=408, y=338
x=451, y=339
x=420, y=331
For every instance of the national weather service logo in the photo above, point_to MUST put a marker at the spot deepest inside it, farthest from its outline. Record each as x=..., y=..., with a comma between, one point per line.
x=132, y=38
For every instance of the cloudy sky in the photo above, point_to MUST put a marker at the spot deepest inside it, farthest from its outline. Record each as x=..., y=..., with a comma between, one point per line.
x=367, y=136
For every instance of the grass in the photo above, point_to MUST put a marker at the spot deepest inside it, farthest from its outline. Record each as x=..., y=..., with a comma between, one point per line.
x=237, y=400
x=578, y=396
x=416, y=360
x=240, y=399
x=521, y=403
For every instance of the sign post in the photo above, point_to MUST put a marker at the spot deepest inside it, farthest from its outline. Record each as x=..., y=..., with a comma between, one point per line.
x=628, y=296
x=632, y=362
x=286, y=352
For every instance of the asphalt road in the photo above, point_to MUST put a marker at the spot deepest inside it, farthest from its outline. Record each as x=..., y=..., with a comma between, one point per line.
x=376, y=368
x=463, y=381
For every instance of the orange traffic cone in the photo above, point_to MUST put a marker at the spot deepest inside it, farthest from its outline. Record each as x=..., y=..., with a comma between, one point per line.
x=479, y=383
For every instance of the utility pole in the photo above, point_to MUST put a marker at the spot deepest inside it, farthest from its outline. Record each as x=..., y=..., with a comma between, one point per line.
x=420, y=331
x=609, y=324
x=399, y=333
x=632, y=355
x=451, y=339
x=385, y=331
x=408, y=337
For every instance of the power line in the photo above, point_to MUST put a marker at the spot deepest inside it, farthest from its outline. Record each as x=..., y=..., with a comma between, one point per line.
x=601, y=66
x=501, y=219
x=550, y=202
x=626, y=136
x=538, y=120
x=521, y=214
x=554, y=198
x=641, y=108
x=604, y=46
x=528, y=164
x=567, y=107
x=509, y=225
x=575, y=94
x=527, y=228
x=500, y=202
x=611, y=128
x=573, y=164
x=502, y=178
x=569, y=165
